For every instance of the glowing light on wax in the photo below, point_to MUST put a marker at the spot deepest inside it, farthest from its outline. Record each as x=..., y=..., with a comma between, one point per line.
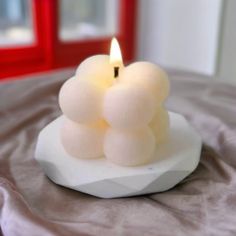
x=115, y=56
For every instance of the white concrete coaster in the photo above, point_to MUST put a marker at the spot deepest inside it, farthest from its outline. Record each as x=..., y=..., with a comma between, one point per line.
x=173, y=161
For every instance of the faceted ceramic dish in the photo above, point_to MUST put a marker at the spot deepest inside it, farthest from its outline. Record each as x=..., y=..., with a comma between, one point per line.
x=173, y=161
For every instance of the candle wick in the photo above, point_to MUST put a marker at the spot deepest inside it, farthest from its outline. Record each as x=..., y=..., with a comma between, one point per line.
x=116, y=71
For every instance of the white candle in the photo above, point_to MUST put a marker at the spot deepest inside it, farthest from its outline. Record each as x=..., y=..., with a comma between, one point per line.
x=126, y=99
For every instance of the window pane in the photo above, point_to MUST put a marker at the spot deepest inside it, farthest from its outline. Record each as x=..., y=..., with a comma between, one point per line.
x=15, y=22
x=81, y=19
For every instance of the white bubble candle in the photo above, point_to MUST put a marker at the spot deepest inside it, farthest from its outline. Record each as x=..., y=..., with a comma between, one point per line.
x=115, y=111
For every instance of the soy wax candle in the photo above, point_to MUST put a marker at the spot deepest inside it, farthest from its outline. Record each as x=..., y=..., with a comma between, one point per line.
x=114, y=111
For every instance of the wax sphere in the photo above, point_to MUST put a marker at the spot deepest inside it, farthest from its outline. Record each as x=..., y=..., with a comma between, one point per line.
x=149, y=76
x=97, y=69
x=128, y=106
x=129, y=148
x=83, y=141
x=81, y=101
x=160, y=125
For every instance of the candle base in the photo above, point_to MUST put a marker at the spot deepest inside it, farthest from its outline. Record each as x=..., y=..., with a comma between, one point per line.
x=174, y=160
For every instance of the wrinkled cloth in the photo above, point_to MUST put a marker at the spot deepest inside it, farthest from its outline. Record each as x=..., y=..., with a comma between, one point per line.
x=204, y=203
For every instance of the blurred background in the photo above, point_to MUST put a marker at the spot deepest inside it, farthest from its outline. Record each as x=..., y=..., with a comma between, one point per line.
x=181, y=35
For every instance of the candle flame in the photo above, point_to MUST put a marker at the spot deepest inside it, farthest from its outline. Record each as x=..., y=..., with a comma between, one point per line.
x=115, y=53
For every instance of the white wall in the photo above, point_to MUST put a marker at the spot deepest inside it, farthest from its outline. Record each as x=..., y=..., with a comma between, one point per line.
x=180, y=34
x=226, y=69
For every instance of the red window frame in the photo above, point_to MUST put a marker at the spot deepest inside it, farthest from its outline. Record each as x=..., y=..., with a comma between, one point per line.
x=48, y=52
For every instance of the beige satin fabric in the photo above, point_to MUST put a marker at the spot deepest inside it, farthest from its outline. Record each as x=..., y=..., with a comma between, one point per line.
x=203, y=204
